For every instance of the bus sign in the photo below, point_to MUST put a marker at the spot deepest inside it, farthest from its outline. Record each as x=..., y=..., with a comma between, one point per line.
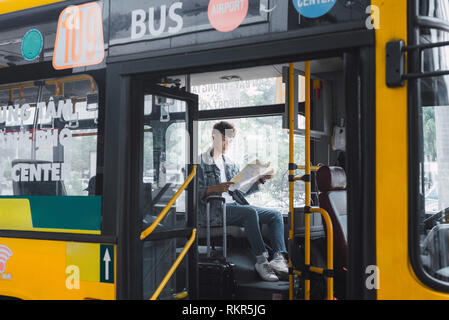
x=79, y=37
x=227, y=15
x=313, y=8
x=107, y=263
x=32, y=44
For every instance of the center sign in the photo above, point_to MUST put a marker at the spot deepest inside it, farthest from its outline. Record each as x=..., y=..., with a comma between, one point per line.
x=313, y=8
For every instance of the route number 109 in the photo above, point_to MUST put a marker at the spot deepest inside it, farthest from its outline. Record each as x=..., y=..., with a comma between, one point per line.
x=79, y=38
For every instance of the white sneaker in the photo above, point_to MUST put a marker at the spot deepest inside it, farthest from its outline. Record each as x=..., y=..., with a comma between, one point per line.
x=266, y=272
x=280, y=266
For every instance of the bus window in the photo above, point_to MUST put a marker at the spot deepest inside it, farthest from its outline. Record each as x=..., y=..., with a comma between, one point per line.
x=48, y=143
x=164, y=157
x=148, y=164
x=434, y=158
x=237, y=93
x=262, y=139
x=176, y=157
x=80, y=152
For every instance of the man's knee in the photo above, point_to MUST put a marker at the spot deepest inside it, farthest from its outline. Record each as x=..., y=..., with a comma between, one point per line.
x=250, y=215
x=277, y=216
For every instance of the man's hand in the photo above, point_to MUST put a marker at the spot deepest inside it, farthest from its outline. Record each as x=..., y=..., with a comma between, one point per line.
x=223, y=187
x=268, y=176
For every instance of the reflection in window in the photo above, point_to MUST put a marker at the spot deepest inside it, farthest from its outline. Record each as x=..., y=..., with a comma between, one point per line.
x=243, y=93
x=48, y=137
x=434, y=182
x=176, y=153
x=80, y=152
x=263, y=139
x=148, y=164
x=164, y=157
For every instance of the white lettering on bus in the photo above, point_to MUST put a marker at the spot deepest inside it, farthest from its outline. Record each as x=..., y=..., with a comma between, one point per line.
x=44, y=138
x=138, y=17
x=231, y=6
x=15, y=114
x=307, y=3
x=31, y=172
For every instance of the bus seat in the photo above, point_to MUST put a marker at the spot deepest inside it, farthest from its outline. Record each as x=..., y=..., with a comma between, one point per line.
x=37, y=188
x=217, y=231
x=331, y=182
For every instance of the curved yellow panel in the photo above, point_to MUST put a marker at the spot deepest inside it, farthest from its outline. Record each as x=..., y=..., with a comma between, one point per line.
x=396, y=277
x=7, y=6
x=15, y=214
x=87, y=257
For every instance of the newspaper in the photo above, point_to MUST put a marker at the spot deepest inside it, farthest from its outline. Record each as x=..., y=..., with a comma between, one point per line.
x=252, y=172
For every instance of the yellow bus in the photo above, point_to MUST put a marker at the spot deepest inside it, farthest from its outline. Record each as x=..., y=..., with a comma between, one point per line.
x=105, y=107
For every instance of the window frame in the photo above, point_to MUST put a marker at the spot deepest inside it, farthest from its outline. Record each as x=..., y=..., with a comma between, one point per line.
x=83, y=124
x=44, y=70
x=416, y=146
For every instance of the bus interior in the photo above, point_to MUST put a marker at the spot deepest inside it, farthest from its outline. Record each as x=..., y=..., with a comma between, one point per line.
x=68, y=159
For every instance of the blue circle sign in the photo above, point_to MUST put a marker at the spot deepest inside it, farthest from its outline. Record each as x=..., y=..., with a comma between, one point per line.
x=313, y=8
x=32, y=44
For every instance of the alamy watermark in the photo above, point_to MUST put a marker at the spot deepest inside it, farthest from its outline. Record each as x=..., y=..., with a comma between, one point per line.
x=372, y=277
x=72, y=277
x=373, y=21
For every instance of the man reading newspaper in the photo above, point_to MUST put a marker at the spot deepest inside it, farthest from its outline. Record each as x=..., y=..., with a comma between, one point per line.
x=219, y=175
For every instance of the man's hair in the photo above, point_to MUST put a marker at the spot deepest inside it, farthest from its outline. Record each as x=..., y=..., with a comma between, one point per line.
x=225, y=128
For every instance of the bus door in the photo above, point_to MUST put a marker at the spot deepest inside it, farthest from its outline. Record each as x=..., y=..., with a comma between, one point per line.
x=165, y=197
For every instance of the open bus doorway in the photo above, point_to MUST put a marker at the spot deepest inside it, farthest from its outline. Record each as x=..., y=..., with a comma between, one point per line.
x=253, y=100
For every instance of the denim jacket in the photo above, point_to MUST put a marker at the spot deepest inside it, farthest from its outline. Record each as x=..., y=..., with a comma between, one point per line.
x=209, y=175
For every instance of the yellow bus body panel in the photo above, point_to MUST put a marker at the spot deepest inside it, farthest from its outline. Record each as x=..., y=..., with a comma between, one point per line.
x=7, y=6
x=396, y=277
x=20, y=220
x=42, y=269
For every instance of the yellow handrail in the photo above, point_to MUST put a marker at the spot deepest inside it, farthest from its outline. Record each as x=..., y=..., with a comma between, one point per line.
x=52, y=82
x=174, y=266
x=308, y=169
x=330, y=249
x=312, y=168
x=291, y=187
x=308, y=189
x=164, y=212
x=58, y=83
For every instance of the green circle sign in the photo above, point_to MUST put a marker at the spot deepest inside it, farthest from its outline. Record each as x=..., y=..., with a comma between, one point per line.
x=32, y=44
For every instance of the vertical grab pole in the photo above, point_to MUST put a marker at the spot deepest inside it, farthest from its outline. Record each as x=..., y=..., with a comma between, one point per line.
x=307, y=173
x=291, y=134
x=330, y=250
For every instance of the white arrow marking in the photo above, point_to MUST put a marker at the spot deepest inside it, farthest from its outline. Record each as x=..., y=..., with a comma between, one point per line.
x=106, y=259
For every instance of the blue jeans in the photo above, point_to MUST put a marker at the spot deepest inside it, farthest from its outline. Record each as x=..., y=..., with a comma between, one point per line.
x=249, y=217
